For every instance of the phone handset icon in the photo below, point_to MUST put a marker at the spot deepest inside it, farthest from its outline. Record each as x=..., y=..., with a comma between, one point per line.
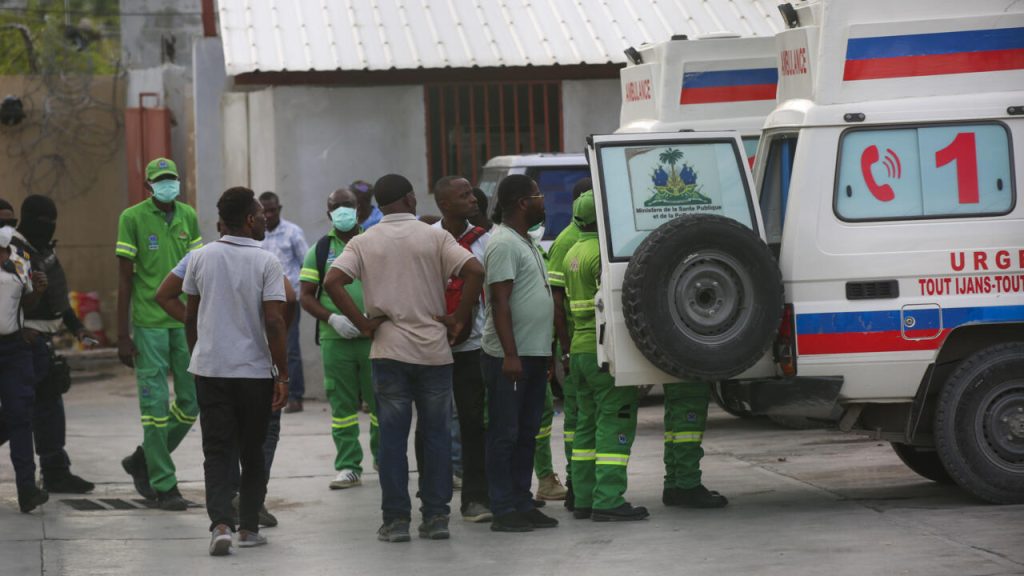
x=868, y=158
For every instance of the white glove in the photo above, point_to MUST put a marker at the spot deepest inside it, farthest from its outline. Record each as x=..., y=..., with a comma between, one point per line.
x=343, y=326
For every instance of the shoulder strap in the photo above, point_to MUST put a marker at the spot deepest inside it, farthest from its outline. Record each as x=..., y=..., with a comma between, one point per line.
x=323, y=247
x=469, y=238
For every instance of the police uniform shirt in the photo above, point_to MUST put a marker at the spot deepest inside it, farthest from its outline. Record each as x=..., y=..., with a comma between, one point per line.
x=15, y=283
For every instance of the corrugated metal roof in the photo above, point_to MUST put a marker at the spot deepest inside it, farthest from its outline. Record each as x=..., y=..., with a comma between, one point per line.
x=325, y=35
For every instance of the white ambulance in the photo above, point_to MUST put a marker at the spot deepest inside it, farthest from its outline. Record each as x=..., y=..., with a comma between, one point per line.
x=889, y=184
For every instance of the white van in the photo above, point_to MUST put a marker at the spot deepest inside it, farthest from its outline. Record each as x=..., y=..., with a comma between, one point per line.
x=889, y=184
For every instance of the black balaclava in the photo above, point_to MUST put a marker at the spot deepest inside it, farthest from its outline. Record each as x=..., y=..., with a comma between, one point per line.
x=34, y=210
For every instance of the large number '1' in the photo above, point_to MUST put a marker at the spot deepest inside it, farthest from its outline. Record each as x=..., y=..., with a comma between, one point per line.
x=962, y=149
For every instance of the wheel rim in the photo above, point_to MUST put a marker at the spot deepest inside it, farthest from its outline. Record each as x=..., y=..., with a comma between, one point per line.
x=1000, y=423
x=709, y=297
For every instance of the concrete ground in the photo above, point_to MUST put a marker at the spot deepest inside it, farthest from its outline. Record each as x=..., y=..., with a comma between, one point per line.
x=802, y=502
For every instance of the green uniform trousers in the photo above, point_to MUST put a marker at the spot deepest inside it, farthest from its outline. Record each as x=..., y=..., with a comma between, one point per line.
x=542, y=462
x=346, y=375
x=605, y=429
x=686, y=414
x=164, y=423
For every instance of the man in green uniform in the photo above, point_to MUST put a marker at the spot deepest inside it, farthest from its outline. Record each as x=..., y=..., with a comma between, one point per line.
x=345, y=351
x=152, y=237
x=686, y=414
x=563, y=331
x=606, y=421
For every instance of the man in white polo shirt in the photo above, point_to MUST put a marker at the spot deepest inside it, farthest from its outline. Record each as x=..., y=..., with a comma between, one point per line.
x=234, y=323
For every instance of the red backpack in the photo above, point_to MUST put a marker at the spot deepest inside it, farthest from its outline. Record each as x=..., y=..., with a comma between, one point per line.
x=453, y=290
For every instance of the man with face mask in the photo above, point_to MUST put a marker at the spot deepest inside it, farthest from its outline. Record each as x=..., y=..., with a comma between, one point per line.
x=17, y=288
x=152, y=237
x=345, y=352
x=42, y=321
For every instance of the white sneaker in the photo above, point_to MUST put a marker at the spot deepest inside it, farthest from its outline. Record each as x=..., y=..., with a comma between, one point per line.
x=345, y=479
x=220, y=540
x=248, y=539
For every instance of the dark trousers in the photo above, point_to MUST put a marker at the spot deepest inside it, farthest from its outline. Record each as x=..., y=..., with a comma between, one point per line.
x=470, y=403
x=397, y=387
x=234, y=412
x=297, y=383
x=48, y=421
x=269, y=449
x=514, y=412
x=17, y=396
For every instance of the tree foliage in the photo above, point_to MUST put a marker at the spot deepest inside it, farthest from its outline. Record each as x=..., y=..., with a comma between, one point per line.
x=44, y=37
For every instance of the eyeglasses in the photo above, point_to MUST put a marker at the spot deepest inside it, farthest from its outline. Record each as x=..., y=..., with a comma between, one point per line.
x=536, y=196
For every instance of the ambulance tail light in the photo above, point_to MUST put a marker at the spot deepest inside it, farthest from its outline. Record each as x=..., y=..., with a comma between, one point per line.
x=785, y=343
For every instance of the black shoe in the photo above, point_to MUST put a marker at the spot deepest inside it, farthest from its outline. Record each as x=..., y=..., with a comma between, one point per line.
x=581, y=513
x=696, y=497
x=624, y=513
x=171, y=501
x=64, y=482
x=540, y=519
x=435, y=528
x=29, y=498
x=394, y=531
x=569, y=503
x=135, y=465
x=538, y=503
x=511, y=522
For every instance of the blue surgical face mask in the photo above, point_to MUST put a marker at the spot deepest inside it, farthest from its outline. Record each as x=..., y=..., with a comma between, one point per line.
x=166, y=190
x=344, y=218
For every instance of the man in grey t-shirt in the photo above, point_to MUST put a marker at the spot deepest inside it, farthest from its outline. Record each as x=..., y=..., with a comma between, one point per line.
x=234, y=323
x=516, y=350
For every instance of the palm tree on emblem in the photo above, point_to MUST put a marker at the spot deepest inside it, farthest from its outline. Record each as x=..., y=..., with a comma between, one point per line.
x=670, y=156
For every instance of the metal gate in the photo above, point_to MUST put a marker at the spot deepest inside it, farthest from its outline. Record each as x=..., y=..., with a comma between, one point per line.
x=470, y=122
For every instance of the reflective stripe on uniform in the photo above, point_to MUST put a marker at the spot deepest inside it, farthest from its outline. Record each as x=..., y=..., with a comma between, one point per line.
x=612, y=459
x=581, y=305
x=583, y=455
x=544, y=432
x=126, y=249
x=373, y=420
x=181, y=416
x=569, y=435
x=196, y=244
x=556, y=278
x=309, y=275
x=345, y=422
x=684, y=437
x=155, y=422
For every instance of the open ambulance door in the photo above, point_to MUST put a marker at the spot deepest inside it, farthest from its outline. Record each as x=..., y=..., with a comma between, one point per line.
x=681, y=235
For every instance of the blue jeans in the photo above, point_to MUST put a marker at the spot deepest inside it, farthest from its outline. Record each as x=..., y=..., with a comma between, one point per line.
x=397, y=386
x=514, y=412
x=297, y=383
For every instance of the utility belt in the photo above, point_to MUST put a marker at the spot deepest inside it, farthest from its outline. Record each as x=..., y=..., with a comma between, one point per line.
x=58, y=377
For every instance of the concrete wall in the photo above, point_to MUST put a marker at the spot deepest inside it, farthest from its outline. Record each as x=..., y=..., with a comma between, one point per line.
x=210, y=157
x=588, y=107
x=155, y=32
x=89, y=197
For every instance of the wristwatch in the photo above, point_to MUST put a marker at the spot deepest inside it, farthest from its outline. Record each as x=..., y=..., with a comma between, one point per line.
x=565, y=357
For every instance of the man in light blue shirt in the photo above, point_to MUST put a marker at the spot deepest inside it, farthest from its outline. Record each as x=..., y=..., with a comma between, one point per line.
x=287, y=241
x=368, y=213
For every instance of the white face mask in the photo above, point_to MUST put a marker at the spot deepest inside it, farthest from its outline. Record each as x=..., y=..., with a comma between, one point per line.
x=537, y=233
x=6, y=233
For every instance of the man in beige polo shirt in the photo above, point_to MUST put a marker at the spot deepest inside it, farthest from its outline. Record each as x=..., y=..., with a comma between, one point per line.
x=404, y=265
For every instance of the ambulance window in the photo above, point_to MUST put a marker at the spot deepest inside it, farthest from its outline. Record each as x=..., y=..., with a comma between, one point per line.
x=918, y=172
x=775, y=186
x=750, y=149
x=556, y=184
x=648, y=184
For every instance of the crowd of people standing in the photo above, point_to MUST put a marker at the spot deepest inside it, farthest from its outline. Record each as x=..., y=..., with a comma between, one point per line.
x=408, y=316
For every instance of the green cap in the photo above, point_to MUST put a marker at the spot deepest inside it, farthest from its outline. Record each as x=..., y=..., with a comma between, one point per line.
x=160, y=166
x=584, y=213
